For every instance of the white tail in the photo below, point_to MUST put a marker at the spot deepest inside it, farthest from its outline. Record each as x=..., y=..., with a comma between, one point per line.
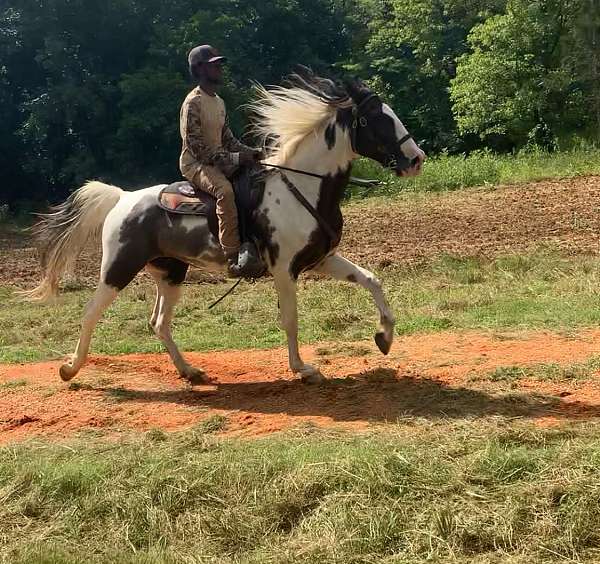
x=64, y=232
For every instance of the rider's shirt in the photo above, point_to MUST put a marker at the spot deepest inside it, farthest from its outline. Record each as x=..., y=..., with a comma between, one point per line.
x=207, y=139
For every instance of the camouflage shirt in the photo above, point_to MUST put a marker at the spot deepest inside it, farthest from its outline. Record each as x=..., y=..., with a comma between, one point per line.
x=206, y=137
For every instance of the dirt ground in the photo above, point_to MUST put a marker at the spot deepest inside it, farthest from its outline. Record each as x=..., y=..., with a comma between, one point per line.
x=475, y=222
x=432, y=376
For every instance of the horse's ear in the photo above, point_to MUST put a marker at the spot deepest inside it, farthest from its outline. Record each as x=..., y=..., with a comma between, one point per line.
x=354, y=86
x=303, y=71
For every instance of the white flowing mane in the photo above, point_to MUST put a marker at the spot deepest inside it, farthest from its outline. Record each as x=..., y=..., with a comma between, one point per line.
x=283, y=117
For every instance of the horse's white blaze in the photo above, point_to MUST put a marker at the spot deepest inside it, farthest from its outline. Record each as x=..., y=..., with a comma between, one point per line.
x=409, y=147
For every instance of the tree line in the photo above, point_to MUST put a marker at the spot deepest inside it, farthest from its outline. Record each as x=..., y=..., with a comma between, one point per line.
x=92, y=88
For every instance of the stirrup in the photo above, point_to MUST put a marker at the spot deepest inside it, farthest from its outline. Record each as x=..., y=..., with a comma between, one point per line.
x=249, y=264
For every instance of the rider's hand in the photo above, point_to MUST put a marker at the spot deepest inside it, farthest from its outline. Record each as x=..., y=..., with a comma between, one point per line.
x=248, y=157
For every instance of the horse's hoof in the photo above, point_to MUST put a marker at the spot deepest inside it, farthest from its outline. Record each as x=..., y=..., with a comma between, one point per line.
x=383, y=343
x=195, y=376
x=66, y=372
x=311, y=375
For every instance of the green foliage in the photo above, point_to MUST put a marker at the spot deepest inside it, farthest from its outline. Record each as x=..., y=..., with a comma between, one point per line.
x=92, y=89
x=518, y=85
x=411, y=52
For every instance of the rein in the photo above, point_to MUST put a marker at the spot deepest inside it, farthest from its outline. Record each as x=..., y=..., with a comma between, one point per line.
x=362, y=182
x=309, y=208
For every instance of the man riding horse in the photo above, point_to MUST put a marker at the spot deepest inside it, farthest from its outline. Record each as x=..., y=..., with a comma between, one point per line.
x=211, y=154
x=316, y=128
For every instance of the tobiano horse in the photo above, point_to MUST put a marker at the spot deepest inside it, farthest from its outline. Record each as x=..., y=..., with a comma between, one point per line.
x=311, y=124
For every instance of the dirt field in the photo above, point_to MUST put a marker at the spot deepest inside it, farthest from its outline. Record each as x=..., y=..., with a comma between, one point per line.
x=433, y=376
x=474, y=222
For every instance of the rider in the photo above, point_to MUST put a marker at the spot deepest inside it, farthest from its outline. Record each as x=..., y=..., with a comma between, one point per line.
x=210, y=153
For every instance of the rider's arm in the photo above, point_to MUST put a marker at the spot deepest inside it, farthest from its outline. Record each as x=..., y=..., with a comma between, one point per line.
x=231, y=143
x=222, y=157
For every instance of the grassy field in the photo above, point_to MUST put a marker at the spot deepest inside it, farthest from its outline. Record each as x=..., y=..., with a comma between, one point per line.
x=451, y=172
x=468, y=487
x=484, y=491
x=540, y=290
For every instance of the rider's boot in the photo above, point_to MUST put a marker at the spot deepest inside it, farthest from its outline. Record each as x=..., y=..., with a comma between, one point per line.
x=246, y=263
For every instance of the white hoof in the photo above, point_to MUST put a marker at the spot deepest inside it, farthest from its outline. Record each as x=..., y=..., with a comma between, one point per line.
x=310, y=374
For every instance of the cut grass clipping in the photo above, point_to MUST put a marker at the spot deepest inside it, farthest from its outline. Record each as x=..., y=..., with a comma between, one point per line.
x=488, y=491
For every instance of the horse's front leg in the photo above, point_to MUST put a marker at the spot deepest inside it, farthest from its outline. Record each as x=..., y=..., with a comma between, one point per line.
x=340, y=268
x=288, y=311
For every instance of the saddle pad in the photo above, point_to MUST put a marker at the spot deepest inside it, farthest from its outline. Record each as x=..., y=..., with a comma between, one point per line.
x=179, y=198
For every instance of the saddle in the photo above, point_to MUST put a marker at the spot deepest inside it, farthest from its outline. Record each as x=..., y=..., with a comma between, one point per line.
x=184, y=199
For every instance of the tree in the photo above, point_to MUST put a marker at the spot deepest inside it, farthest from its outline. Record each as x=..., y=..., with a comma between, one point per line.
x=585, y=59
x=411, y=53
x=517, y=86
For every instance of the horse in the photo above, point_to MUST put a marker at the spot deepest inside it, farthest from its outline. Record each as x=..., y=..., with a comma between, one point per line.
x=313, y=126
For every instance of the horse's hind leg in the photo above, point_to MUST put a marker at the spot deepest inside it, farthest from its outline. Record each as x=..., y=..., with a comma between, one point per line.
x=119, y=268
x=169, y=274
x=103, y=297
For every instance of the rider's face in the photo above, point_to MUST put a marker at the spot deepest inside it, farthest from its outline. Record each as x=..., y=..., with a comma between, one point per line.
x=214, y=72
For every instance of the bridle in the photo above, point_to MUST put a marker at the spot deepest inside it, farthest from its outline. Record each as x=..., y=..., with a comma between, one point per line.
x=359, y=120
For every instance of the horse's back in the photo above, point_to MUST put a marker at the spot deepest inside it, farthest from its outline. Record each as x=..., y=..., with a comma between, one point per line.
x=138, y=230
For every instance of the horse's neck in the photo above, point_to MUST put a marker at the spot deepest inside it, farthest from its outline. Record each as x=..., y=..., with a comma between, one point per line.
x=314, y=154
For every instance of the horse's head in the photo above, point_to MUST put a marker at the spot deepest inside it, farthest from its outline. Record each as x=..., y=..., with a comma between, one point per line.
x=377, y=133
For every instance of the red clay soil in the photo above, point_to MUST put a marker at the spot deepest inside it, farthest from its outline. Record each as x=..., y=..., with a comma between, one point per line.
x=433, y=376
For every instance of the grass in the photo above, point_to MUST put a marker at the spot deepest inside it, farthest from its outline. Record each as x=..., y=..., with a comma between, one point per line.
x=550, y=371
x=484, y=491
x=445, y=172
x=542, y=290
x=13, y=384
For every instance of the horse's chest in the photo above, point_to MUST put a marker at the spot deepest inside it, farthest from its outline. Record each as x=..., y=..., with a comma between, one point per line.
x=294, y=238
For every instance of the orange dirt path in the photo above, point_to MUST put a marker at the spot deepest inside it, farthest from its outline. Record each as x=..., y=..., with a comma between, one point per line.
x=433, y=376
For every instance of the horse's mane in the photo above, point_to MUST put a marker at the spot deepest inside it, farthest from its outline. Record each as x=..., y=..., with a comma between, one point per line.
x=285, y=115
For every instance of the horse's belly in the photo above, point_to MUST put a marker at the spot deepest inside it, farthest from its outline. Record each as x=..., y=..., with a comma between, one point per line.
x=189, y=238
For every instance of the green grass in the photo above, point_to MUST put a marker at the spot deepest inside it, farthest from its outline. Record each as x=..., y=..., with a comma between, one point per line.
x=485, y=491
x=445, y=172
x=13, y=384
x=542, y=290
x=551, y=371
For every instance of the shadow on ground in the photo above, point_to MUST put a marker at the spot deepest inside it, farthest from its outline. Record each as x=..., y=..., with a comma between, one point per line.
x=377, y=395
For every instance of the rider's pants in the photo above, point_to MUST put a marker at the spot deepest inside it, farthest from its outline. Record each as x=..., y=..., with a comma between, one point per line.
x=212, y=180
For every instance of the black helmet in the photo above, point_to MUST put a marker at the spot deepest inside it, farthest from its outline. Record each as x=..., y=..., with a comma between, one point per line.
x=204, y=54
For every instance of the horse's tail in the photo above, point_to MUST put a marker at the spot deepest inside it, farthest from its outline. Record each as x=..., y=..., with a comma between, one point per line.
x=64, y=231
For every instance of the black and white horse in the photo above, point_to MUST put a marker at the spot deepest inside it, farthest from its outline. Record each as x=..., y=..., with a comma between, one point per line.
x=312, y=125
